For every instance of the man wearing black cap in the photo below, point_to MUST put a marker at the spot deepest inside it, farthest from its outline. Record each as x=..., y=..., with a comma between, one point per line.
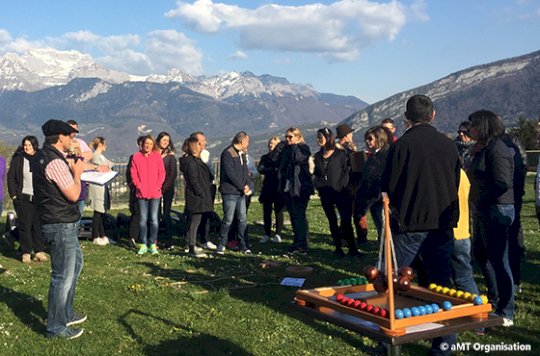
x=57, y=184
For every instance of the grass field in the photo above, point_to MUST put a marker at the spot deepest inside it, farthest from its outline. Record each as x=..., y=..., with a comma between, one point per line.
x=172, y=304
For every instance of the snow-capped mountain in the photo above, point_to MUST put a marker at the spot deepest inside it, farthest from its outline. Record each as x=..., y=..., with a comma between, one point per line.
x=44, y=84
x=509, y=87
x=46, y=67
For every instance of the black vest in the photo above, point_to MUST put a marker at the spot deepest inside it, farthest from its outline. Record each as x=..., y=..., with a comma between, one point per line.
x=53, y=207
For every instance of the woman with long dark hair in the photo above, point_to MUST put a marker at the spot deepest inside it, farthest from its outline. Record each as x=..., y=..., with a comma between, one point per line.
x=492, y=195
x=198, y=190
x=296, y=186
x=99, y=196
x=331, y=177
x=147, y=175
x=270, y=198
x=166, y=146
x=368, y=196
x=21, y=190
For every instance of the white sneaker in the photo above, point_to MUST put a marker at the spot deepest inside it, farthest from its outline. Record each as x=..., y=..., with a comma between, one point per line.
x=209, y=246
x=264, y=239
x=197, y=249
x=276, y=239
x=99, y=241
x=507, y=322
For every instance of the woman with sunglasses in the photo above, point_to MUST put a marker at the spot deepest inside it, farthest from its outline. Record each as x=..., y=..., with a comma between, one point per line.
x=296, y=186
x=331, y=177
x=464, y=141
x=368, y=196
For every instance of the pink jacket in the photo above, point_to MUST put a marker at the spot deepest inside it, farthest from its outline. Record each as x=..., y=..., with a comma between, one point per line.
x=147, y=174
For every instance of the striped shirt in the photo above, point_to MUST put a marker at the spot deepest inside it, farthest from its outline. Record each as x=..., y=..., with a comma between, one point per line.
x=58, y=172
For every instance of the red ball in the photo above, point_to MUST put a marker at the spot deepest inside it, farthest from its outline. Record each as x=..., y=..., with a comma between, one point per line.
x=356, y=303
x=383, y=313
x=404, y=283
x=371, y=273
x=344, y=300
x=363, y=306
x=376, y=310
x=350, y=302
x=407, y=272
x=339, y=297
x=369, y=308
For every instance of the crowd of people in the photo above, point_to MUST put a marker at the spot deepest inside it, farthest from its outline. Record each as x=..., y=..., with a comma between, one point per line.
x=436, y=187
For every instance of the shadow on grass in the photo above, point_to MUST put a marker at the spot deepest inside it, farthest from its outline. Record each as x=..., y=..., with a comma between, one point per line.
x=243, y=278
x=28, y=309
x=194, y=342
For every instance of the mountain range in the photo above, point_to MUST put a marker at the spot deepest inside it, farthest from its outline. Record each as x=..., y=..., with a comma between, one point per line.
x=46, y=83
x=510, y=88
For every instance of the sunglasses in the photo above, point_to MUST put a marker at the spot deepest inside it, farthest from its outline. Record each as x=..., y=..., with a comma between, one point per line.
x=289, y=137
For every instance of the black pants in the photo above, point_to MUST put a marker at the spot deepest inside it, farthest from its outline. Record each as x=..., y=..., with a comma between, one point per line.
x=516, y=244
x=135, y=217
x=330, y=200
x=275, y=204
x=165, y=212
x=297, y=207
x=29, y=226
x=194, y=220
x=98, y=229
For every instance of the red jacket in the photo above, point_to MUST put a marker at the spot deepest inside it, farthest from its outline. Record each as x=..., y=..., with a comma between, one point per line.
x=147, y=174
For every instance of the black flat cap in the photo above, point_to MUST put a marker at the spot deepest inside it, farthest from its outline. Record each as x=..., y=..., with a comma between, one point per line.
x=57, y=127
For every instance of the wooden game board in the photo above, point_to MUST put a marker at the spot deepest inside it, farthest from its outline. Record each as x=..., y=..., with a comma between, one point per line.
x=323, y=300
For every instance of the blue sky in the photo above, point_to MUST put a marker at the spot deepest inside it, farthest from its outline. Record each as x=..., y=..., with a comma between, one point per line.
x=370, y=49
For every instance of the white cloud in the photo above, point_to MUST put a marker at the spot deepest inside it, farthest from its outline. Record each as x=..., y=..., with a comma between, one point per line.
x=338, y=30
x=238, y=55
x=155, y=52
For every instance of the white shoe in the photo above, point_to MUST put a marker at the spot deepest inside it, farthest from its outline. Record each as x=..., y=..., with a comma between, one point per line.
x=507, y=322
x=276, y=239
x=197, y=249
x=99, y=241
x=209, y=246
x=264, y=239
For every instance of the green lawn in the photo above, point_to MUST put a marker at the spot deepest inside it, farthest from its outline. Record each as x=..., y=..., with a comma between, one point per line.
x=173, y=304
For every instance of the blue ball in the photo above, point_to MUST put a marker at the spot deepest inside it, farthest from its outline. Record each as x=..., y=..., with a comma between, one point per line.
x=407, y=312
x=435, y=308
x=415, y=311
x=422, y=309
x=478, y=301
x=447, y=305
x=399, y=314
x=429, y=309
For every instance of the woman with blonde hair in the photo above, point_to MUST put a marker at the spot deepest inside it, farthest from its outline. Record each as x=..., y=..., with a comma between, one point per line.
x=147, y=175
x=198, y=179
x=99, y=196
x=270, y=198
x=296, y=186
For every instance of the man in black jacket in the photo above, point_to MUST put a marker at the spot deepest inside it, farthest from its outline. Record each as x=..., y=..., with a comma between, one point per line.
x=421, y=178
x=234, y=186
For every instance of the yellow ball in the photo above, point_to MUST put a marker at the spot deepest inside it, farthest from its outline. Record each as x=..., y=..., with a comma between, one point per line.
x=439, y=289
x=471, y=298
x=460, y=293
x=432, y=286
x=484, y=299
x=445, y=290
x=466, y=295
x=452, y=292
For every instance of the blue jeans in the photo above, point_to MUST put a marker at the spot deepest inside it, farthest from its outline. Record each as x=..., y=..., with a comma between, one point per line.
x=233, y=205
x=491, y=253
x=434, y=248
x=462, y=271
x=66, y=263
x=149, y=209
